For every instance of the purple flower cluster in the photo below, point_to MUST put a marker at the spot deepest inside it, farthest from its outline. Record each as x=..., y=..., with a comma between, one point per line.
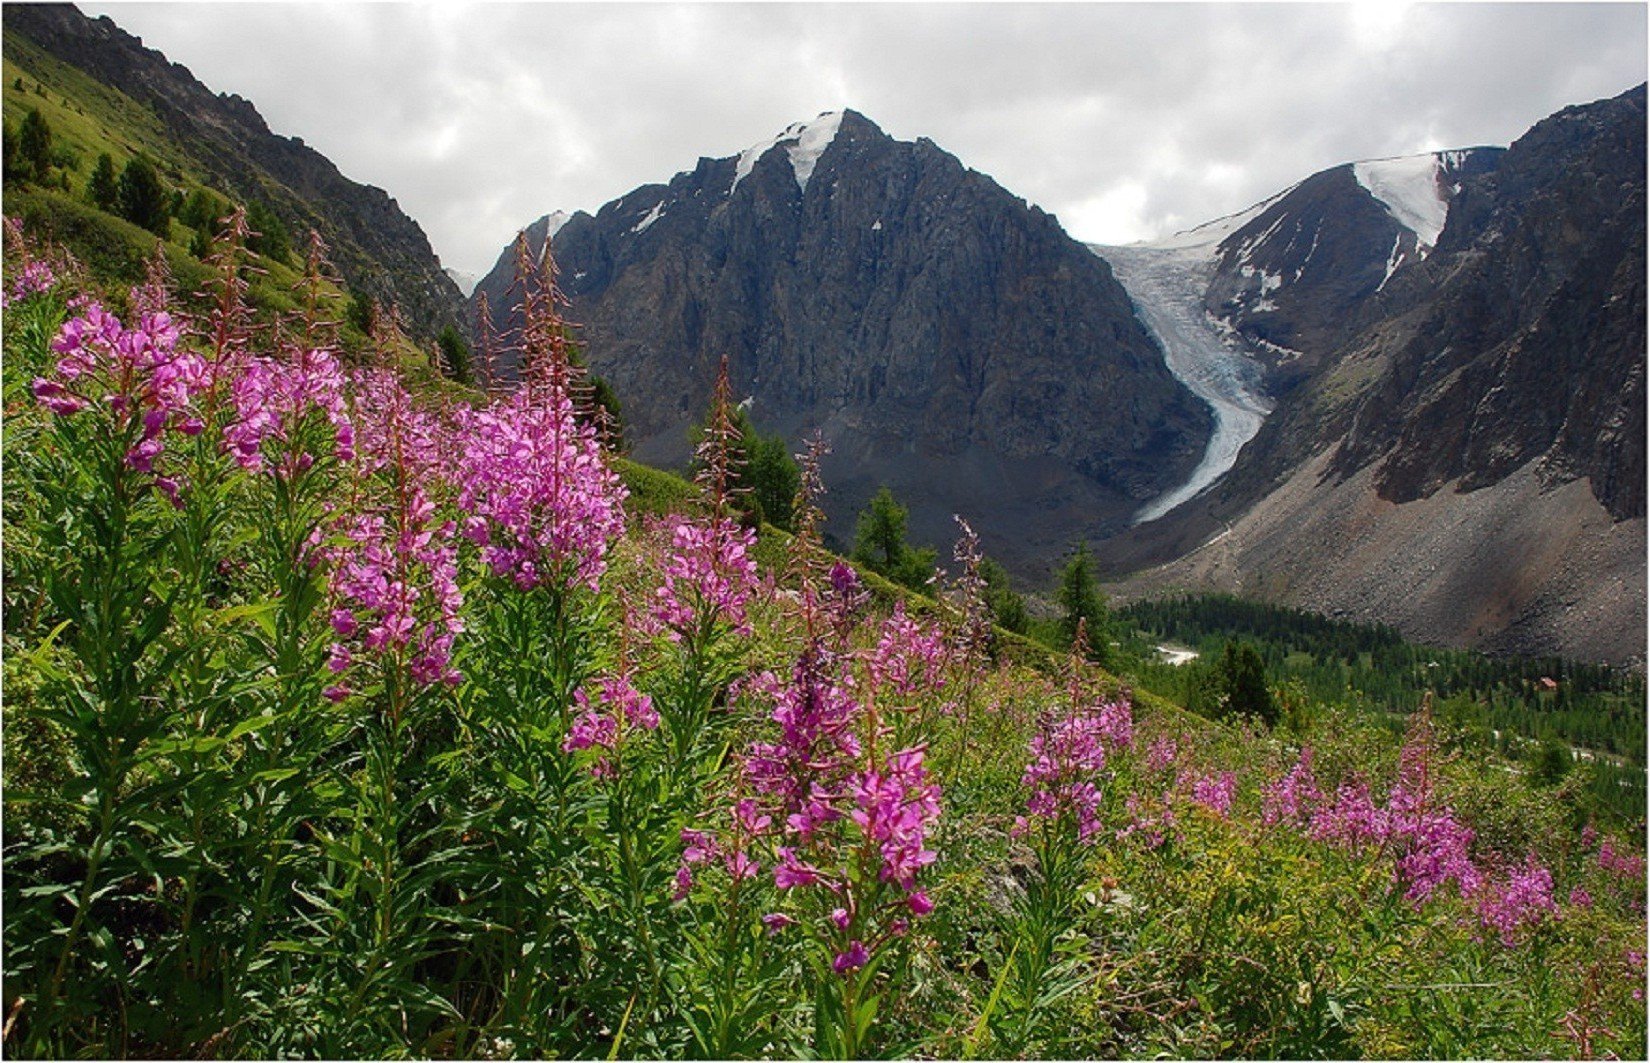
x=1152, y=819
x=542, y=503
x=1352, y=820
x=1437, y=851
x=272, y=399
x=1215, y=793
x=34, y=277
x=1620, y=862
x=603, y=720
x=909, y=658
x=1161, y=754
x=1288, y=799
x=395, y=560
x=846, y=828
x=1067, y=756
x=802, y=774
x=140, y=375
x=1523, y=900
x=893, y=806
x=709, y=578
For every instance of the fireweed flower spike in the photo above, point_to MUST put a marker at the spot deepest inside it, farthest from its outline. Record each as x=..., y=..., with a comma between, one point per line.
x=140, y=377
x=395, y=562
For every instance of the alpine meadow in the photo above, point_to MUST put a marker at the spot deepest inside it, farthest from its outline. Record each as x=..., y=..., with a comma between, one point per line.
x=813, y=606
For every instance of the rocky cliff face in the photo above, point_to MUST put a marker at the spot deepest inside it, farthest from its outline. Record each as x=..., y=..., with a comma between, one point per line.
x=947, y=339
x=1463, y=454
x=1529, y=326
x=377, y=248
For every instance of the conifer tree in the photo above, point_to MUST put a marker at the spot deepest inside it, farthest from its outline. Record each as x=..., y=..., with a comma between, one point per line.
x=141, y=199
x=34, y=146
x=1080, y=601
x=102, y=187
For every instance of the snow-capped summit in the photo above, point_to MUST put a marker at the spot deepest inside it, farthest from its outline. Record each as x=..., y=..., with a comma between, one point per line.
x=804, y=142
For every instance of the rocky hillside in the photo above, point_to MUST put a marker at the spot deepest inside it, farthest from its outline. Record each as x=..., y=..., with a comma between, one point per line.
x=222, y=142
x=948, y=339
x=1468, y=461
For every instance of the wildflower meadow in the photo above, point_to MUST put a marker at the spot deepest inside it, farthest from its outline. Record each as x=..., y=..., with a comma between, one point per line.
x=352, y=716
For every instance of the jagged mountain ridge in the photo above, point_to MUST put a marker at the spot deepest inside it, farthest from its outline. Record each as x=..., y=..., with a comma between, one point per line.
x=1463, y=455
x=377, y=247
x=946, y=338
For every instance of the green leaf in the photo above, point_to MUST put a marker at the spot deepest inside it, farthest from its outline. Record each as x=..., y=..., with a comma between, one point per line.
x=990, y=1004
x=618, y=1038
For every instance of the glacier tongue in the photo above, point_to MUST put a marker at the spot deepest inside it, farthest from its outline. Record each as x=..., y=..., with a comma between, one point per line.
x=1167, y=286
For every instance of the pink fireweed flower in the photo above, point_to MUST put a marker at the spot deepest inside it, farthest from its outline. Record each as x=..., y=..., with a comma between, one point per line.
x=852, y=958
x=708, y=579
x=140, y=375
x=1522, y=901
x=1620, y=862
x=1352, y=820
x=1151, y=819
x=1161, y=754
x=1067, y=755
x=34, y=277
x=1436, y=851
x=801, y=773
x=1291, y=798
x=604, y=719
x=1580, y=898
x=909, y=658
x=895, y=807
x=543, y=504
x=395, y=560
x=1215, y=793
x=272, y=399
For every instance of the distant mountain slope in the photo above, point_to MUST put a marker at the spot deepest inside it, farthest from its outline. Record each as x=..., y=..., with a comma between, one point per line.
x=1293, y=279
x=224, y=142
x=948, y=339
x=1464, y=455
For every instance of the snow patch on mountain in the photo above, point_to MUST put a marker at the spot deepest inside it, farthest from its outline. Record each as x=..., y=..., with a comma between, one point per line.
x=1410, y=189
x=1211, y=233
x=466, y=281
x=805, y=143
x=652, y=216
x=553, y=223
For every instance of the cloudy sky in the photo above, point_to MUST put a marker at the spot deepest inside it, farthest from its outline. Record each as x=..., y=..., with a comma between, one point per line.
x=1127, y=120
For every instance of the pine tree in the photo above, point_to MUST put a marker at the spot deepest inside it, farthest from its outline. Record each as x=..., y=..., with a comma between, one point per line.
x=1008, y=609
x=879, y=542
x=141, y=199
x=455, y=355
x=102, y=188
x=1080, y=599
x=1243, y=681
x=770, y=476
x=34, y=147
x=272, y=241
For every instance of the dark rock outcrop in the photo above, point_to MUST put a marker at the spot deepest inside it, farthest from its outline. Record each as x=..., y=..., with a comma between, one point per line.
x=947, y=339
x=376, y=247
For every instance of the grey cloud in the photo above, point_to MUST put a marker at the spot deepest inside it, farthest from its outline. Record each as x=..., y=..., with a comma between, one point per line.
x=1124, y=119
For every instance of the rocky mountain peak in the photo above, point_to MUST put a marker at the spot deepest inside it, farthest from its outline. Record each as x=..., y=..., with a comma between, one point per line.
x=946, y=338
